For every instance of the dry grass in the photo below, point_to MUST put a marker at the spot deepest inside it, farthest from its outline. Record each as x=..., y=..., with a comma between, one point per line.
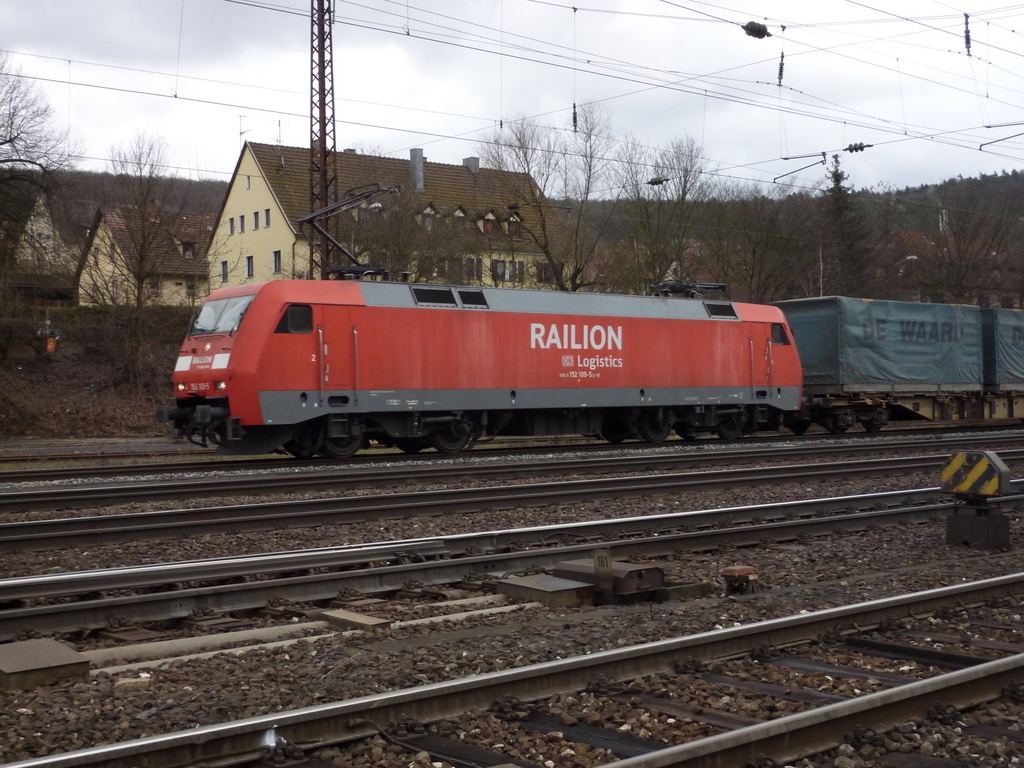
x=72, y=394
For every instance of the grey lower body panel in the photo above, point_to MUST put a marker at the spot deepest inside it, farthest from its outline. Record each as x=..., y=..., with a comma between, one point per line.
x=296, y=407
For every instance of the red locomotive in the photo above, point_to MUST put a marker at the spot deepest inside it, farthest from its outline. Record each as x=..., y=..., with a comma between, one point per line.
x=320, y=367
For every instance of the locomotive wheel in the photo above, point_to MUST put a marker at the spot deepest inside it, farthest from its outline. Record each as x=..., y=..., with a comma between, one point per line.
x=730, y=427
x=410, y=444
x=448, y=440
x=654, y=430
x=614, y=428
x=614, y=434
x=342, y=447
x=307, y=443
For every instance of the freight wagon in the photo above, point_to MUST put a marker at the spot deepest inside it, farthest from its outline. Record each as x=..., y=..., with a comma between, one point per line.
x=324, y=366
x=872, y=361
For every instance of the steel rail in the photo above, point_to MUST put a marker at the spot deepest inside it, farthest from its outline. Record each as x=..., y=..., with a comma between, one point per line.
x=330, y=477
x=105, y=529
x=322, y=587
x=314, y=727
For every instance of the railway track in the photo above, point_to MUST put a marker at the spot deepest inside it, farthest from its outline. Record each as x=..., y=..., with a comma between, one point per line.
x=302, y=732
x=77, y=496
x=206, y=461
x=232, y=585
x=36, y=535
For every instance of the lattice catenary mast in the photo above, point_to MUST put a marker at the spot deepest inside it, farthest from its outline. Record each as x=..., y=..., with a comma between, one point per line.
x=323, y=171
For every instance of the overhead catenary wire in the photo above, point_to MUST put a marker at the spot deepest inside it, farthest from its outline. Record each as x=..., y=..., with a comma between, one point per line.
x=718, y=91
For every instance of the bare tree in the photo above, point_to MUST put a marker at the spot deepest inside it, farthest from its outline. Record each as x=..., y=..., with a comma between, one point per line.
x=137, y=237
x=761, y=243
x=30, y=152
x=136, y=243
x=401, y=234
x=563, y=183
x=664, y=190
x=30, y=149
x=972, y=234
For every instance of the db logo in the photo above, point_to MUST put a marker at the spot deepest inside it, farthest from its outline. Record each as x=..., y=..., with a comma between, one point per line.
x=567, y=361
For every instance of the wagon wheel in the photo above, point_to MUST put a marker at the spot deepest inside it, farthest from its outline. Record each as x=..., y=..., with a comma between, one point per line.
x=342, y=447
x=655, y=428
x=449, y=440
x=730, y=426
x=410, y=444
x=872, y=425
x=833, y=427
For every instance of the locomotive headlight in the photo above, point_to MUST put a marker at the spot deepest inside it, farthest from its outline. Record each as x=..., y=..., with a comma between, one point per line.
x=220, y=386
x=180, y=386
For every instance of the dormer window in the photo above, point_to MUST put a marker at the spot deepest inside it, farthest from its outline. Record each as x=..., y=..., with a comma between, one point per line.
x=188, y=250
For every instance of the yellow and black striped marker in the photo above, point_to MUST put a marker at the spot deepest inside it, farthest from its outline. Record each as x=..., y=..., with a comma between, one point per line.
x=976, y=473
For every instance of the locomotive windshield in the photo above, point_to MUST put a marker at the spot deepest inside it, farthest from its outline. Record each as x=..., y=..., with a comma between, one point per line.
x=220, y=315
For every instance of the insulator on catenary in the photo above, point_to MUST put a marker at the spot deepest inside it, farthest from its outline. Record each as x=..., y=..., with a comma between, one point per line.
x=858, y=147
x=782, y=64
x=760, y=31
x=967, y=33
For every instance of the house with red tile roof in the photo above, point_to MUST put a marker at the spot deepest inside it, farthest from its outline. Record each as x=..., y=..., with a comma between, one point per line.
x=138, y=258
x=435, y=222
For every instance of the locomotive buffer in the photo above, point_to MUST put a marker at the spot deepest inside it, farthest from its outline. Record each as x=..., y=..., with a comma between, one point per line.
x=974, y=477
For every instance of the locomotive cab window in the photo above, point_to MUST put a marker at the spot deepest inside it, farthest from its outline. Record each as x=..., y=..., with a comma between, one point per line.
x=220, y=315
x=779, y=335
x=298, y=318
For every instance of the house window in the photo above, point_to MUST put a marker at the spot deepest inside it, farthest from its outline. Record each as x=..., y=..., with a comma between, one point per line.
x=545, y=274
x=266, y=218
x=518, y=271
x=277, y=261
x=231, y=225
x=499, y=270
x=154, y=286
x=241, y=224
x=514, y=230
x=190, y=286
x=248, y=182
x=223, y=271
x=249, y=271
x=474, y=268
x=255, y=220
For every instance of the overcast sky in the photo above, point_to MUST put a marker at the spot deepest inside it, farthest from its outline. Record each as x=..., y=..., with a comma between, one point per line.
x=442, y=74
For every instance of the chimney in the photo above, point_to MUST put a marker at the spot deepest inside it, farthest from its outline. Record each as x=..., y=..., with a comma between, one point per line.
x=416, y=169
x=473, y=163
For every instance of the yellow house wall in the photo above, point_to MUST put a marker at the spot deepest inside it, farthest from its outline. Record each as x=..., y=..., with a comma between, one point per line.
x=100, y=283
x=249, y=193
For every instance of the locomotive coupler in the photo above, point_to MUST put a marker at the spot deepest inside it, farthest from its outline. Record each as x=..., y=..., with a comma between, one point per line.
x=975, y=478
